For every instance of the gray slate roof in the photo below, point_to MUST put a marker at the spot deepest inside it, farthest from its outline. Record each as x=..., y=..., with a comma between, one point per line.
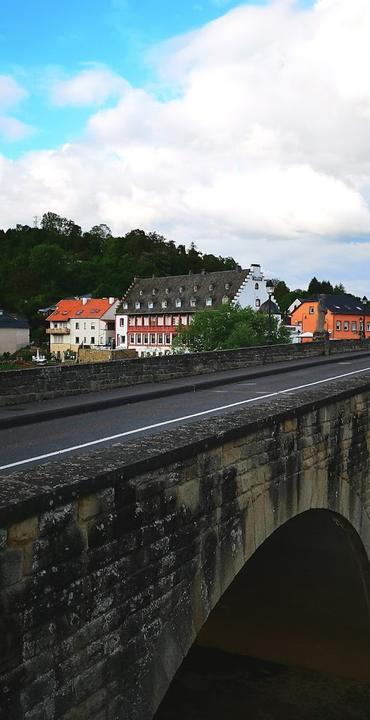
x=11, y=320
x=173, y=287
x=339, y=304
x=275, y=310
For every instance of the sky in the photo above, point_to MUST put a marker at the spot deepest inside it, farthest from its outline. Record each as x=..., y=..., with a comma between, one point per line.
x=243, y=127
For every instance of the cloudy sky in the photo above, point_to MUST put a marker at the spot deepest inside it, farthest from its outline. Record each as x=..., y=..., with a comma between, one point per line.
x=243, y=127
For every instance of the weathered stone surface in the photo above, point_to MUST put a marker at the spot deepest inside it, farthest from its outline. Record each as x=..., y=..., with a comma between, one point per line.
x=110, y=565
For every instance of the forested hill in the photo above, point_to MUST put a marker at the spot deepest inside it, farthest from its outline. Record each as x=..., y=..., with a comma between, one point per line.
x=40, y=265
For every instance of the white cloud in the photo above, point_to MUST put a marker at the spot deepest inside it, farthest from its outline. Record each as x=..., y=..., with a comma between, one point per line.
x=11, y=93
x=92, y=86
x=262, y=150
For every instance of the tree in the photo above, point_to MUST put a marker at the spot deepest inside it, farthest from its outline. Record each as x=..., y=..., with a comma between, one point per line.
x=229, y=326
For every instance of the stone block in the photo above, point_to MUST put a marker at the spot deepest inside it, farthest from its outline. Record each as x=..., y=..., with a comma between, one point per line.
x=23, y=533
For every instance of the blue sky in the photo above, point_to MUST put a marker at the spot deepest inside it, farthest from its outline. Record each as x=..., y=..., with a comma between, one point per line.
x=248, y=136
x=44, y=39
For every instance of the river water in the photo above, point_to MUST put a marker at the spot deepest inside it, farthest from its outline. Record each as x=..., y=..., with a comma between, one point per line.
x=214, y=685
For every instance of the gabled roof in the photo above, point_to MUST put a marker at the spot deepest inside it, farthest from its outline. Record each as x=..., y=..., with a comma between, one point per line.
x=338, y=304
x=187, y=288
x=12, y=320
x=93, y=308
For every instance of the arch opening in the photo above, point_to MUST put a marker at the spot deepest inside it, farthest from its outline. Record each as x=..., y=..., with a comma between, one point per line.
x=301, y=600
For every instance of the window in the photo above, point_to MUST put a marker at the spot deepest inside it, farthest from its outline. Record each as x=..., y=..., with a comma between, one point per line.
x=160, y=319
x=354, y=326
x=131, y=321
x=338, y=325
x=193, y=302
x=256, y=286
x=184, y=320
x=227, y=286
x=346, y=325
x=146, y=321
x=146, y=338
x=55, y=325
x=167, y=291
x=258, y=302
x=122, y=322
x=152, y=338
x=311, y=310
x=138, y=338
x=368, y=327
x=132, y=339
x=176, y=320
x=195, y=288
x=225, y=299
x=209, y=301
x=123, y=338
x=92, y=326
x=178, y=302
x=77, y=340
x=164, y=303
x=125, y=305
x=77, y=325
x=139, y=320
x=168, y=320
x=150, y=304
x=137, y=305
x=168, y=339
x=181, y=289
x=160, y=339
x=84, y=326
x=140, y=292
x=211, y=287
x=92, y=340
x=84, y=340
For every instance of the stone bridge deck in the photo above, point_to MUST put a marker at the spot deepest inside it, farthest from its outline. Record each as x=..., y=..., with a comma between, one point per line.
x=111, y=563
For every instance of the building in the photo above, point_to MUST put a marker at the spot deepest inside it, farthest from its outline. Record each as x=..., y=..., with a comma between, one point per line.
x=154, y=308
x=14, y=332
x=82, y=321
x=335, y=317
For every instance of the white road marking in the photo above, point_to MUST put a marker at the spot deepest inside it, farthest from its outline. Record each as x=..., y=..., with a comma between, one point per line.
x=178, y=419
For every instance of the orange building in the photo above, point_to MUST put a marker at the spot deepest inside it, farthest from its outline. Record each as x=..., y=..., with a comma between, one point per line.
x=336, y=317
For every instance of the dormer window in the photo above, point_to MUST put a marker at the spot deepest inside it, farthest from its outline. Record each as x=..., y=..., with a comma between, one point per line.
x=211, y=287
x=209, y=301
x=195, y=288
x=164, y=303
x=137, y=305
x=178, y=302
x=154, y=291
x=125, y=306
x=193, y=302
x=225, y=299
x=150, y=305
x=167, y=291
x=140, y=292
x=181, y=289
x=227, y=286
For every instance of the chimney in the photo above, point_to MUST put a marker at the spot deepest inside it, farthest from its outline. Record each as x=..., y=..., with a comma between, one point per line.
x=111, y=300
x=84, y=301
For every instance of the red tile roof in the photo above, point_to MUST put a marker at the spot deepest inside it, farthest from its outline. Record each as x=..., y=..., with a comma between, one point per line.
x=93, y=308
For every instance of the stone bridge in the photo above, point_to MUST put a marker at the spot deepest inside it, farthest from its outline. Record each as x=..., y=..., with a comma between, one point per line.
x=111, y=563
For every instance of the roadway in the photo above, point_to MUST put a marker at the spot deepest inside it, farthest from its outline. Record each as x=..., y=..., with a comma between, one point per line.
x=44, y=440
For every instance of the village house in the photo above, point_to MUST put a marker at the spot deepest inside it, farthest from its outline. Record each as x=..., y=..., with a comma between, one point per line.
x=82, y=321
x=154, y=308
x=334, y=317
x=14, y=332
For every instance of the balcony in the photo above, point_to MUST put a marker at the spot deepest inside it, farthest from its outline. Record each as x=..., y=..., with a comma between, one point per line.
x=58, y=331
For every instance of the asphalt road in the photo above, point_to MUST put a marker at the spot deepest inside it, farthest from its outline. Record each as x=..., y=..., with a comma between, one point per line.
x=53, y=439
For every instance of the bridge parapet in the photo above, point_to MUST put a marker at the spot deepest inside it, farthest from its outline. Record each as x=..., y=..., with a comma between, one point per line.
x=110, y=563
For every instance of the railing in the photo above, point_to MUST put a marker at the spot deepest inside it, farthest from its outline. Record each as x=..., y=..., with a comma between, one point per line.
x=58, y=331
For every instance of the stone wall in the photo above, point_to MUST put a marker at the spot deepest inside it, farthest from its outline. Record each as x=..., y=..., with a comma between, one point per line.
x=110, y=563
x=57, y=381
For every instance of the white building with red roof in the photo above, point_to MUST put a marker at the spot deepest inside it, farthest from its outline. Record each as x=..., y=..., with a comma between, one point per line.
x=83, y=322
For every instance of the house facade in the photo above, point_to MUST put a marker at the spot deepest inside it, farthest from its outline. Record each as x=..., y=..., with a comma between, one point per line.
x=14, y=332
x=80, y=322
x=153, y=309
x=336, y=317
